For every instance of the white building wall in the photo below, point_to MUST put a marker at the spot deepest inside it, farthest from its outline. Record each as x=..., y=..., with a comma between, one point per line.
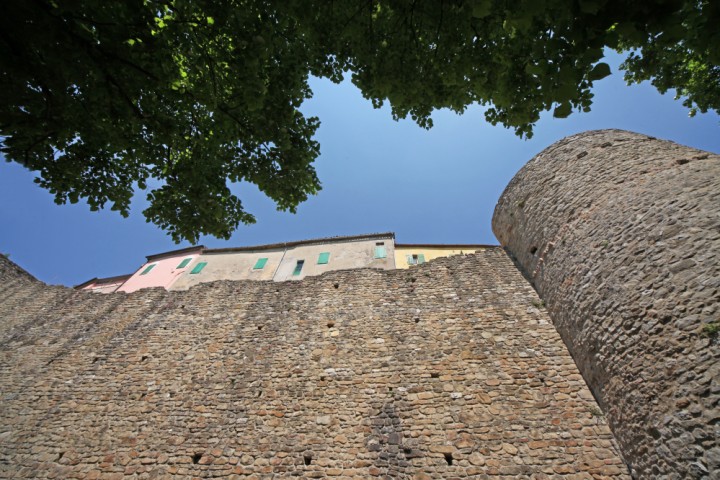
x=231, y=266
x=343, y=255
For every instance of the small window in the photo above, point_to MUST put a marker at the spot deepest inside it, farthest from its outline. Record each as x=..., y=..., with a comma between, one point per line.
x=298, y=267
x=184, y=263
x=198, y=268
x=323, y=258
x=415, y=259
x=147, y=270
x=260, y=264
x=379, y=243
x=380, y=252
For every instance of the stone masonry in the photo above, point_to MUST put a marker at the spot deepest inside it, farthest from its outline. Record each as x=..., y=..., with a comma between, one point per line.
x=620, y=235
x=451, y=369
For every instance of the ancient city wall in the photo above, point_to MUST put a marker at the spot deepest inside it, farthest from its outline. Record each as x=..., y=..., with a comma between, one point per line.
x=448, y=370
x=620, y=235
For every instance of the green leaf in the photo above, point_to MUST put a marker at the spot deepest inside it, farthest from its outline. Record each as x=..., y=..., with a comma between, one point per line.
x=563, y=110
x=599, y=71
x=534, y=69
x=481, y=8
x=566, y=91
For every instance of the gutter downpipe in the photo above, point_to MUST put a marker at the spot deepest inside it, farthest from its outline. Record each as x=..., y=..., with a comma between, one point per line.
x=281, y=261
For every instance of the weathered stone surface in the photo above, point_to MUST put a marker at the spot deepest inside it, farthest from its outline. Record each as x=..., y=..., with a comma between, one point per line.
x=447, y=370
x=620, y=235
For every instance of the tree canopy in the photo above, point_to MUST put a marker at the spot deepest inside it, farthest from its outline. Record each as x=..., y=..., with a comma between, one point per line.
x=182, y=98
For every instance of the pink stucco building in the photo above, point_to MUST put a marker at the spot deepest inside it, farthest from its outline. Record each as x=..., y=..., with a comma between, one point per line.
x=162, y=270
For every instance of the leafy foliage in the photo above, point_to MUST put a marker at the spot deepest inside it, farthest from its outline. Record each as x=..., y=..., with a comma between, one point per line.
x=100, y=97
x=185, y=97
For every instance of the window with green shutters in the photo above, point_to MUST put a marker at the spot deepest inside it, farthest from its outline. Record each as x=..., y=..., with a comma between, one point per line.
x=147, y=270
x=198, y=268
x=298, y=267
x=415, y=259
x=380, y=252
x=323, y=258
x=184, y=263
x=260, y=264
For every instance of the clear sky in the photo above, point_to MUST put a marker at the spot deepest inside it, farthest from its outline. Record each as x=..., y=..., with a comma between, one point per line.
x=378, y=175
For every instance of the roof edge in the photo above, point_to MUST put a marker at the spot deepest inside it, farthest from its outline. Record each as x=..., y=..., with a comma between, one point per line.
x=155, y=256
x=103, y=280
x=445, y=245
x=274, y=246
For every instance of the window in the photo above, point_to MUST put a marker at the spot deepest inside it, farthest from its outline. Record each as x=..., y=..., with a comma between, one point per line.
x=184, y=263
x=380, y=252
x=147, y=270
x=323, y=258
x=260, y=264
x=198, y=268
x=415, y=259
x=298, y=267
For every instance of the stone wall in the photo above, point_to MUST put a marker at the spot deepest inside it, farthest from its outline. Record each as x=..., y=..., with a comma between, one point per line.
x=448, y=370
x=620, y=235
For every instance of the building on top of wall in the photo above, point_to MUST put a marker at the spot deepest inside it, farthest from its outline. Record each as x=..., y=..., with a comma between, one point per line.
x=181, y=269
x=409, y=254
x=163, y=269
x=104, y=285
x=293, y=260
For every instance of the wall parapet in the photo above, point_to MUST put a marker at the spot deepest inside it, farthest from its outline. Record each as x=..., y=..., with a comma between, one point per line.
x=448, y=369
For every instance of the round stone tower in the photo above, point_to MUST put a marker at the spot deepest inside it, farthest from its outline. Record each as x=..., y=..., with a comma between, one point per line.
x=620, y=235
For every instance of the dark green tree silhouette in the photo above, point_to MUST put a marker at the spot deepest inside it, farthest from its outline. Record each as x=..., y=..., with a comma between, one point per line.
x=184, y=97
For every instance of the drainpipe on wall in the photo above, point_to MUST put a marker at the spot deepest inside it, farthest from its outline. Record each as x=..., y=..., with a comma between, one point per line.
x=281, y=261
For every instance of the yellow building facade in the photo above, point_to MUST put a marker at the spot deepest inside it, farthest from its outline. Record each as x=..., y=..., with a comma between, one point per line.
x=409, y=254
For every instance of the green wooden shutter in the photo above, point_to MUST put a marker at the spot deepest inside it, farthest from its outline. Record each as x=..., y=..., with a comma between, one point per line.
x=198, y=268
x=323, y=258
x=260, y=264
x=380, y=252
x=298, y=267
x=410, y=260
x=147, y=270
x=184, y=263
x=421, y=258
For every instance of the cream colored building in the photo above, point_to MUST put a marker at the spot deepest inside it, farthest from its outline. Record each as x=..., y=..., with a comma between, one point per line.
x=231, y=264
x=292, y=260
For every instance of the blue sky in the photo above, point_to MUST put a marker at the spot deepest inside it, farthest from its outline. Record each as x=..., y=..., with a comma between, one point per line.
x=378, y=175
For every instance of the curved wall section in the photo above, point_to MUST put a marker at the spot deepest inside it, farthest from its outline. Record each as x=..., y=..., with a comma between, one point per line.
x=620, y=235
